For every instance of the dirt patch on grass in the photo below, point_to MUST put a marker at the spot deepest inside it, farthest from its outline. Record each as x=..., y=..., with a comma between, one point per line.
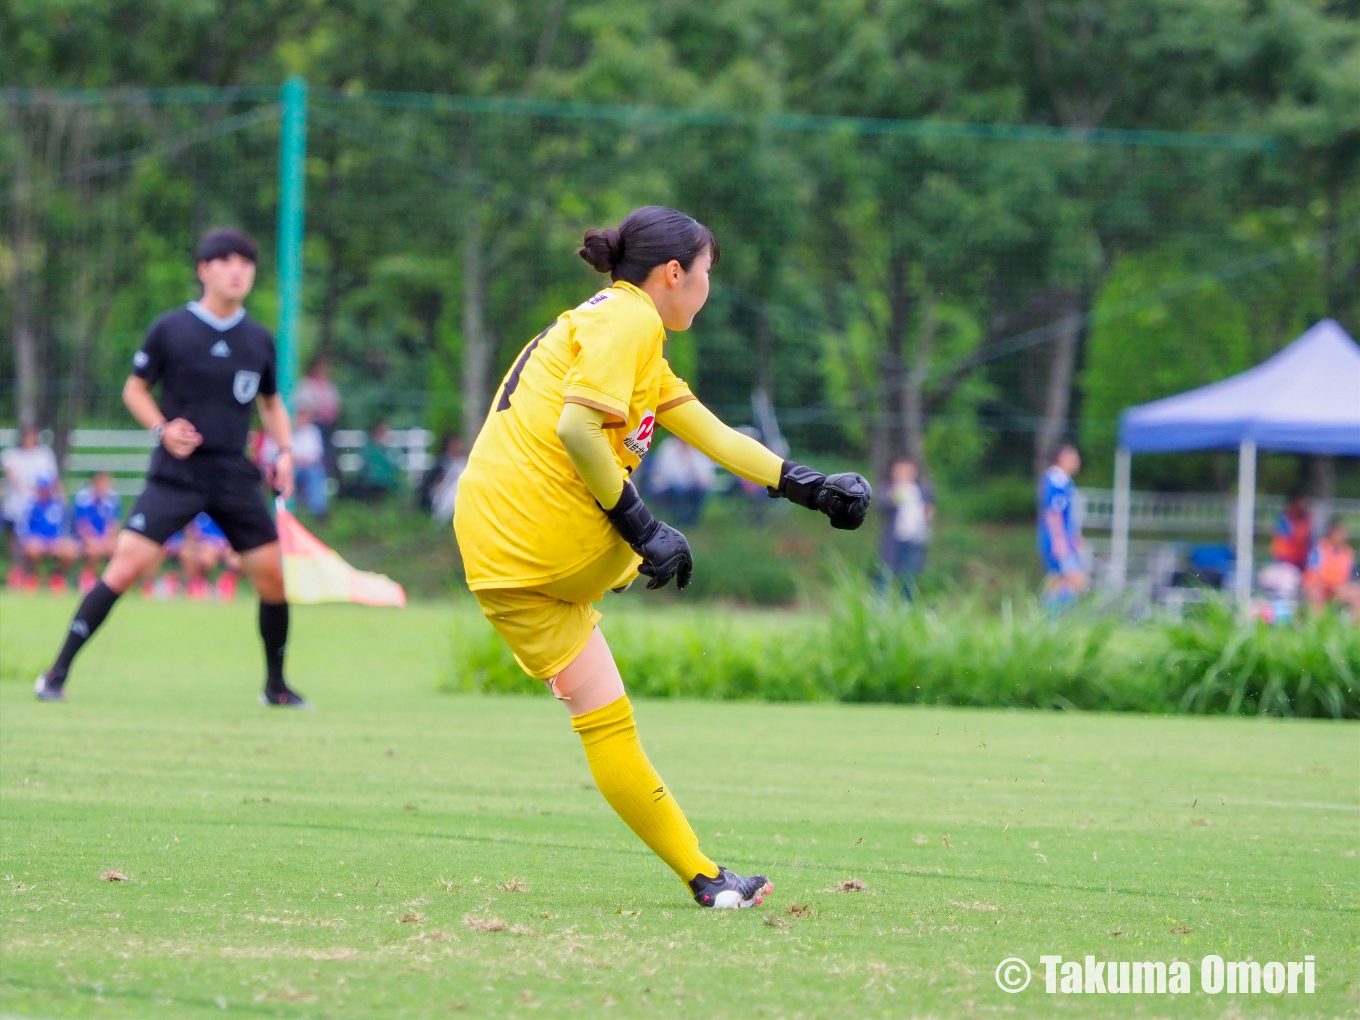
x=342, y=953
x=486, y=923
x=434, y=935
x=851, y=885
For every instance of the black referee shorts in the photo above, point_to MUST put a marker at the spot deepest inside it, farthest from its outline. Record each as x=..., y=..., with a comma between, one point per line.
x=227, y=488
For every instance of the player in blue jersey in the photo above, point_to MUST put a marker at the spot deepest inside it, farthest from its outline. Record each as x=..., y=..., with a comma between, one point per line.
x=98, y=509
x=45, y=533
x=1060, y=544
x=204, y=549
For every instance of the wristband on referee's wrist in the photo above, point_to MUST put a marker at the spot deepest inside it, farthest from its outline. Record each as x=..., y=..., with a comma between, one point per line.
x=158, y=430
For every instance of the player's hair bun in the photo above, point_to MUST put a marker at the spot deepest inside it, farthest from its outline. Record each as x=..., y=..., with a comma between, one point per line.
x=602, y=249
x=647, y=238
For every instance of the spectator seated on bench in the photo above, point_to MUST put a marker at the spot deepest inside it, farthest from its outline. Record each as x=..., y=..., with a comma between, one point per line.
x=204, y=549
x=1329, y=578
x=166, y=583
x=1279, y=583
x=44, y=540
x=1292, y=538
x=23, y=465
x=1210, y=566
x=98, y=511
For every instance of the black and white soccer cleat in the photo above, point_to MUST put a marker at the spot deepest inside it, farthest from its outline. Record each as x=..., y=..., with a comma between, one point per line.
x=45, y=688
x=729, y=891
x=283, y=698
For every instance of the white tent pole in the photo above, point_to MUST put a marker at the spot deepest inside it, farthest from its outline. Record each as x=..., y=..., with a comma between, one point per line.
x=1119, y=526
x=1246, y=520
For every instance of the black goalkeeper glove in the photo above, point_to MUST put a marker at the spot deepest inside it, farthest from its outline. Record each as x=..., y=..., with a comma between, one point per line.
x=664, y=551
x=844, y=497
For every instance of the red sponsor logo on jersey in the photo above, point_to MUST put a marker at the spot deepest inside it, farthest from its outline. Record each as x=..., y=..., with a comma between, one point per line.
x=639, y=441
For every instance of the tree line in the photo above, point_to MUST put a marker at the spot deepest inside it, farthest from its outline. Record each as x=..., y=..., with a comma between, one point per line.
x=958, y=229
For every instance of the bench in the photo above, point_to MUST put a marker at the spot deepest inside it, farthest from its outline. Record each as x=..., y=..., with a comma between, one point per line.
x=125, y=453
x=1169, y=523
x=412, y=447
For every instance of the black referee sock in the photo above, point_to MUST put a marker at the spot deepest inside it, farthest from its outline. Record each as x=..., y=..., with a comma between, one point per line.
x=274, y=633
x=93, y=608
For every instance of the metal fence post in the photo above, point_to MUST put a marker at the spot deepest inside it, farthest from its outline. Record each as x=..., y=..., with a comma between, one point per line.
x=292, y=203
x=1119, y=523
x=1246, y=521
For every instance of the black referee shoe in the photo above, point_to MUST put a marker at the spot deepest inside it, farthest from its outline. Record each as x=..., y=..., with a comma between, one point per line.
x=729, y=891
x=45, y=688
x=284, y=697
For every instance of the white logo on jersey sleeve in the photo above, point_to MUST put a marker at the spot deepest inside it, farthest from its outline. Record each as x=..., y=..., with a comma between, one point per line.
x=639, y=441
x=599, y=298
x=139, y=360
x=245, y=386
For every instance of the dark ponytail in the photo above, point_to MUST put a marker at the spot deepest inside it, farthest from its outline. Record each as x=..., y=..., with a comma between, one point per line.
x=647, y=238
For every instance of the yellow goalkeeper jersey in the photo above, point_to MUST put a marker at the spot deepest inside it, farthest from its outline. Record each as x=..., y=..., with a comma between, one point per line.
x=523, y=516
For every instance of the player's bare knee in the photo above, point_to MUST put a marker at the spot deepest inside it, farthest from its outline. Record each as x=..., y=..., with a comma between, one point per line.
x=133, y=556
x=265, y=570
x=592, y=679
x=269, y=586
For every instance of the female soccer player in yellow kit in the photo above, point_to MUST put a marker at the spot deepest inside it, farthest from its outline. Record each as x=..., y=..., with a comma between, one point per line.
x=547, y=520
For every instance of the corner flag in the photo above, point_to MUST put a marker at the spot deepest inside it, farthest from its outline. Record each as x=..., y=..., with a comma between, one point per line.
x=313, y=572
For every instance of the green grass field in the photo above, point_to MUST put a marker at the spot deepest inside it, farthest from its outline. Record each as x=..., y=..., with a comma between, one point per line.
x=400, y=852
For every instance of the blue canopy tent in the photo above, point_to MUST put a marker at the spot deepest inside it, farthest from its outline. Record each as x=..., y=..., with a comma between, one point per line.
x=1305, y=399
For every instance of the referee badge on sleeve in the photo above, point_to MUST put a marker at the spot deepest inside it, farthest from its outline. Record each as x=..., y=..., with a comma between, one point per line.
x=245, y=386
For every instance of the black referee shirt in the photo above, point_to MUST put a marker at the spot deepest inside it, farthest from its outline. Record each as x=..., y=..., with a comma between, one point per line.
x=209, y=377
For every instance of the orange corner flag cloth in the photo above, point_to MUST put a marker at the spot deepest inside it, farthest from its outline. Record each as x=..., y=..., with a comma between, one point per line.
x=314, y=572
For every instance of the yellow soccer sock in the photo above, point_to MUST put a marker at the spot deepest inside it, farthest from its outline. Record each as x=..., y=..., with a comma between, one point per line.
x=635, y=791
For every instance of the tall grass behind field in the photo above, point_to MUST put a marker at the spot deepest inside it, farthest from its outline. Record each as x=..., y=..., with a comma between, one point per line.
x=959, y=654
x=670, y=653
x=868, y=649
x=1311, y=669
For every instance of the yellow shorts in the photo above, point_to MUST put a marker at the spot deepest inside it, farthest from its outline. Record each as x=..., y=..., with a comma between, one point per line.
x=547, y=626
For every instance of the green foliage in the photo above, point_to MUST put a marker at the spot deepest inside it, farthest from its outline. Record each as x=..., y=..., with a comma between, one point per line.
x=954, y=652
x=999, y=498
x=1153, y=336
x=672, y=654
x=1213, y=663
x=1160, y=348
x=864, y=272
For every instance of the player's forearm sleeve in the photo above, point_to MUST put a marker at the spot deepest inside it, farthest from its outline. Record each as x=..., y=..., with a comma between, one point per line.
x=581, y=430
x=742, y=455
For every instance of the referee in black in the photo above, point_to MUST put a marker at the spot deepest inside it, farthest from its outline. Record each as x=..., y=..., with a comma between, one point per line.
x=212, y=362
